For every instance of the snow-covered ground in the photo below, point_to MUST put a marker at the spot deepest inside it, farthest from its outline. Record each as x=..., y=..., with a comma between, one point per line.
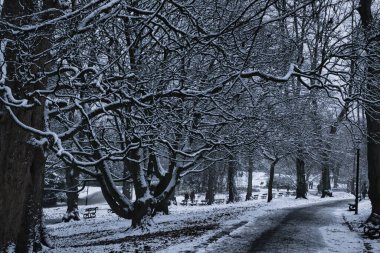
x=356, y=224
x=188, y=228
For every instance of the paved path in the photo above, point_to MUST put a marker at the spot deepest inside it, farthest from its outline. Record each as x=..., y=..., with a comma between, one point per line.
x=299, y=230
x=316, y=228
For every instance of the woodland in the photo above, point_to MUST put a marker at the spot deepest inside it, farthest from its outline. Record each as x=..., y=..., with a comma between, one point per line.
x=148, y=94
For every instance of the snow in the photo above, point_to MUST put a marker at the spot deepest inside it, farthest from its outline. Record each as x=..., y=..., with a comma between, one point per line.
x=356, y=223
x=188, y=228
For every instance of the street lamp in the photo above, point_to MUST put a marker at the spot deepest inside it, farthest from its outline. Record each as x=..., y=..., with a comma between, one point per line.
x=357, y=145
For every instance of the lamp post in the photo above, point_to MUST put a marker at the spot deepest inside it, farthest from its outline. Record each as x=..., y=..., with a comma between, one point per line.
x=357, y=144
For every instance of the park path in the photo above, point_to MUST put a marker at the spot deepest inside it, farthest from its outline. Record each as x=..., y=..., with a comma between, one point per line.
x=315, y=228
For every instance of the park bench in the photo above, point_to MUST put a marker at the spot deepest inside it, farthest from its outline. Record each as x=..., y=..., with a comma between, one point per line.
x=264, y=196
x=194, y=203
x=372, y=229
x=219, y=201
x=203, y=202
x=256, y=196
x=280, y=194
x=287, y=194
x=90, y=212
x=183, y=202
x=351, y=207
x=293, y=194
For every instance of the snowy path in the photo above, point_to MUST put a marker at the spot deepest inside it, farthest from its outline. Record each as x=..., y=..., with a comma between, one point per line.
x=302, y=230
x=314, y=228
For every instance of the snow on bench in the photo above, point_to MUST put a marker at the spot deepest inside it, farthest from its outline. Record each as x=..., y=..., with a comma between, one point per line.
x=90, y=212
x=203, y=202
x=194, y=203
x=351, y=207
x=219, y=201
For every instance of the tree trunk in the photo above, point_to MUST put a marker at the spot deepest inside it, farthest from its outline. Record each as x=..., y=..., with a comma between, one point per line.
x=210, y=193
x=325, y=180
x=371, y=109
x=250, y=178
x=301, y=180
x=127, y=185
x=21, y=163
x=233, y=195
x=335, y=172
x=271, y=178
x=72, y=181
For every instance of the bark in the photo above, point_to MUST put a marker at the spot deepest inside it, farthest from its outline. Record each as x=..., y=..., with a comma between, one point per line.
x=371, y=109
x=127, y=185
x=72, y=182
x=22, y=164
x=374, y=164
x=325, y=181
x=335, y=172
x=163, y=206
x=250, y=177
x=210, y=193
x=233, y=195
x=271, y=177
x=301, y=180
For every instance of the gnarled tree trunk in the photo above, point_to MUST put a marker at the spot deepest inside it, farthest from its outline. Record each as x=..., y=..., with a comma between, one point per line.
x=21, y=163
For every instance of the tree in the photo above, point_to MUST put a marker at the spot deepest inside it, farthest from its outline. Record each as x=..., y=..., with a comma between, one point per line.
x=22, y=160
x=372, y=108
x=250, y=178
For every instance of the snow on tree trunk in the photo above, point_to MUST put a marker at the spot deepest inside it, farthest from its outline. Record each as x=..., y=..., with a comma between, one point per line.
x=72, y=181
x=127, y=186
x=301, y=179
x=233, y=195
x=372, y=108
x=21, y=163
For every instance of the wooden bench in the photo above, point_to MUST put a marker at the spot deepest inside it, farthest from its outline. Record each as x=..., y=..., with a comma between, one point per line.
x=203, y=202
x=256, y=196
x=293, y=194
x=280, y=194
x=219, y=201
x=183, y=202
x=351, y=207
x=264, y=196
x=287, y=194
x=194, y=203
x=90, y=212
